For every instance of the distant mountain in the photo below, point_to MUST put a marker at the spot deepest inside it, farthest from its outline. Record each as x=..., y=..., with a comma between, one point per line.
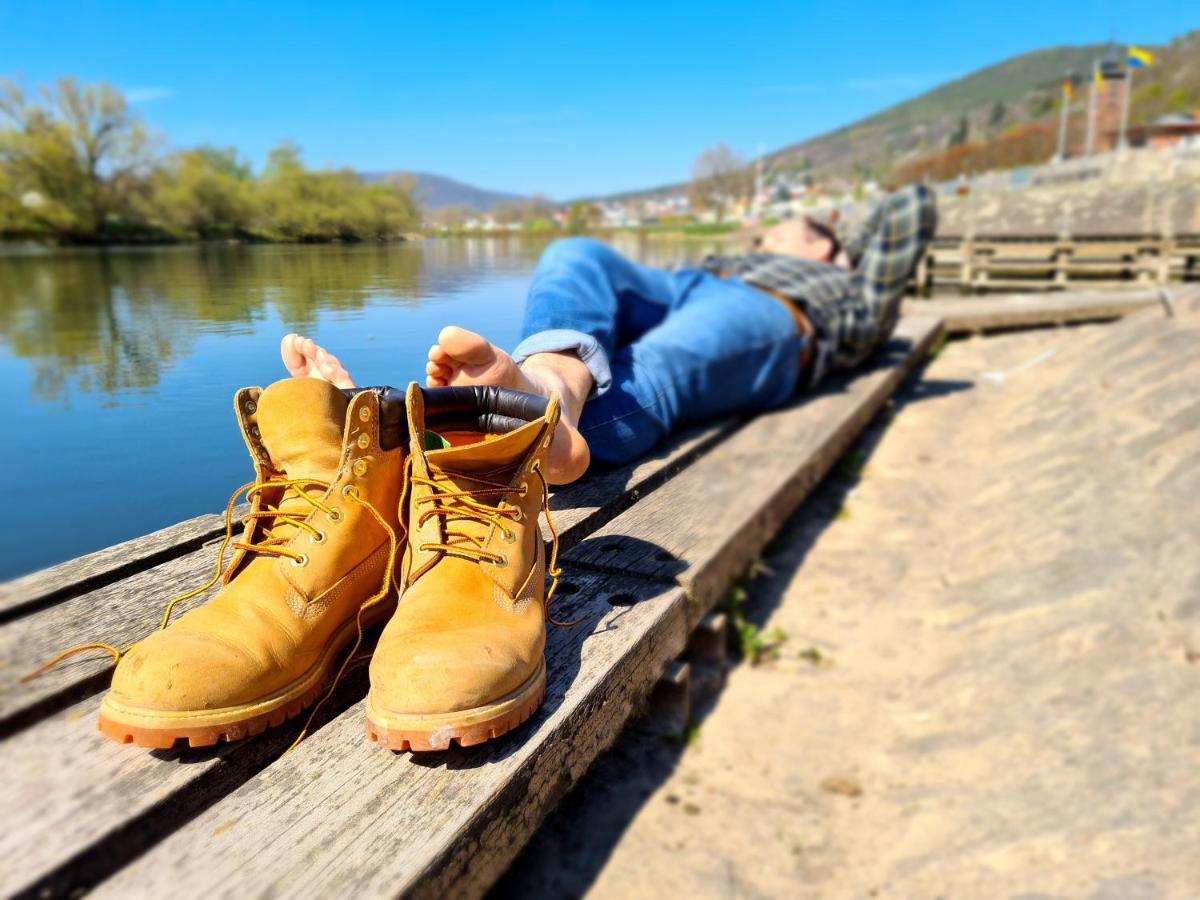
x=439, y=192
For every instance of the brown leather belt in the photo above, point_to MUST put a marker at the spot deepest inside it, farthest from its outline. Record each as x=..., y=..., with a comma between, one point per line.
x=803, y=325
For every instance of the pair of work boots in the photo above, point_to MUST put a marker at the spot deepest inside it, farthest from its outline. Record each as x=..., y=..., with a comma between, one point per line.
x=361, y=499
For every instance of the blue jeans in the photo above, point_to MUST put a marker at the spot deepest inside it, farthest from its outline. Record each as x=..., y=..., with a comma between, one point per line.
x=665, y=348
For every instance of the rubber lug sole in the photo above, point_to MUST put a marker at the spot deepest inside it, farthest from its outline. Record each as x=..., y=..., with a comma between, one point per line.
x=157, y=730
x=425, y=733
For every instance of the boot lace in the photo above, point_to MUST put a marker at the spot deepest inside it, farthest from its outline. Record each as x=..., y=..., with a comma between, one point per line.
x=451, y=505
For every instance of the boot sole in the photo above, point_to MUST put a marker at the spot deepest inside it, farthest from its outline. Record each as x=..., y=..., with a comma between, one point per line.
x=426, y=732
x=159, y=729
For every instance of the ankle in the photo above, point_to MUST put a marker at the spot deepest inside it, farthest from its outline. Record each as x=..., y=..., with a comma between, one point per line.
x=564, y=372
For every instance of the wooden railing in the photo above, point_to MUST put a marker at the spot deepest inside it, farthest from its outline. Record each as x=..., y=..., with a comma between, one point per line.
x=966, y=264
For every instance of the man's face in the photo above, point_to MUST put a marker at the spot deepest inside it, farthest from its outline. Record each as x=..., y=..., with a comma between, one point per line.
x=796, y=238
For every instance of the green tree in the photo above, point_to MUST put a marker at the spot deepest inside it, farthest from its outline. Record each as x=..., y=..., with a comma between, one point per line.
x=204, y=193
x=961, y=133
x=295, y=204
x=720, y=177
x=78, y=149
x=998, y=114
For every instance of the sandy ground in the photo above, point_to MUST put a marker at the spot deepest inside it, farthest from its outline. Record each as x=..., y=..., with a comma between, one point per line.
x=1005, y=603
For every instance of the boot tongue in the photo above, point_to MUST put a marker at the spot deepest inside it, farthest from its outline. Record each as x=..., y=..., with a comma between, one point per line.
x=301, y=421
x=494, y=460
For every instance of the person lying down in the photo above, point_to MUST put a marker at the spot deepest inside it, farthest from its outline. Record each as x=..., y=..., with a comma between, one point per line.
x=636, y=352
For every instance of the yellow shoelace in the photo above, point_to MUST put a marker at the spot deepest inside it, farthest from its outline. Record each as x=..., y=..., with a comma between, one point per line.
x=271, y=546
x=463, y=505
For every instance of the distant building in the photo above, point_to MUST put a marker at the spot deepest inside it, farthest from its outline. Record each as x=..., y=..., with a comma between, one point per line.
x=1167, y=131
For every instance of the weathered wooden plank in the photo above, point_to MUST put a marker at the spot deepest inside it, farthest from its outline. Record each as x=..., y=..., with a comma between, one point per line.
x=580, y=508
x=341, y=817
x=1024, y=310
x=711, y=521
x=121, y=612
x=38, y=590
x=118, y=613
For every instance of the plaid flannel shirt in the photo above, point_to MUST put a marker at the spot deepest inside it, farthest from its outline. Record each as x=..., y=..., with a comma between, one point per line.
x=852, y=311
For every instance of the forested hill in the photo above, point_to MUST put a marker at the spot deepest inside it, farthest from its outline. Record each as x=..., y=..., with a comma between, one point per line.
x=1016, y=90
x=981, y=105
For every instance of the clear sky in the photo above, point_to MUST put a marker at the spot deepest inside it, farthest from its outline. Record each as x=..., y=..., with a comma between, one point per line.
x=561, y=98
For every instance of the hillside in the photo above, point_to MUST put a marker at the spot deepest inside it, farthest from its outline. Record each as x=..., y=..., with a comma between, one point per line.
x=439, y=192
x=1015, y=91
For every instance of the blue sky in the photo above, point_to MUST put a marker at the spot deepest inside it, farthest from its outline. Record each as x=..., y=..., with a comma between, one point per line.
x=560, y=98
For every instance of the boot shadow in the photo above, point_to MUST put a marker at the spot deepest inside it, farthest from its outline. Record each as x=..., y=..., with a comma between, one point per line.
x=596, y=600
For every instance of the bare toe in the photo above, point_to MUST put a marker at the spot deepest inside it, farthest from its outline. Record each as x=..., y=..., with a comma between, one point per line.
x=293, y=359
x=466, y=346
x=332, y=370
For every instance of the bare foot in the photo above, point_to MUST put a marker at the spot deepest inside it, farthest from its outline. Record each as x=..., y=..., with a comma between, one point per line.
x=304, y=358
x=462, y=357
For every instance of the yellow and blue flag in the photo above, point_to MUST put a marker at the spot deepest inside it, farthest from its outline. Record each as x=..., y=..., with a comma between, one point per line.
x=1139, y=58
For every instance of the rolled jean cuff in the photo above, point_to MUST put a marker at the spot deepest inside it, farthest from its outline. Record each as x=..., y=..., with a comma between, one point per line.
x=566, y=340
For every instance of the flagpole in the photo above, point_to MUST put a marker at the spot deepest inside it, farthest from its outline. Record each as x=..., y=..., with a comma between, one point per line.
x=1062, y=123
x=1129, y=70
x=1090, y=143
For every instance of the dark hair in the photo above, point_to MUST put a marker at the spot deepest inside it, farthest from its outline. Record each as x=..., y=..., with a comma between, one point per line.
x=824, y=231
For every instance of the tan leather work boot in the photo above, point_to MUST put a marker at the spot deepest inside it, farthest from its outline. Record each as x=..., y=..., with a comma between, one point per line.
x=463, y=658
x=318, y=547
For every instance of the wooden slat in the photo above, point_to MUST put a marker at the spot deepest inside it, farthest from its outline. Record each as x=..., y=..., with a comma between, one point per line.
x=1024, y=310
x=338, y=817
x=118, y=613
x=580, y=508
x=38, y=590
x=710, y=522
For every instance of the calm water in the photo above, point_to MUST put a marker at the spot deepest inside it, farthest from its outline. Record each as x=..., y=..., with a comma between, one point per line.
x=119, y=367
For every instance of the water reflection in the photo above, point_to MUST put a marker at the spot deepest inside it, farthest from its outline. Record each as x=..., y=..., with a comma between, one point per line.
x=112, y=321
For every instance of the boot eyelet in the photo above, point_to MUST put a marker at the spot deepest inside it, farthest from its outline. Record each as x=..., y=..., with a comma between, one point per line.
x=501, y=563
x=318, y=538
x=518, y=515
x=348, y=490
x=334, y=515
x=508, y=536
x=364, y=413
x=251, y=407
x=364, y=441
x=524, y=492
x=360, y=468
x=301, y=562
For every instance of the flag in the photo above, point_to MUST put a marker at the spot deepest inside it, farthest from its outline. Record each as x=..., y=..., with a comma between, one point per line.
x=1139, y=58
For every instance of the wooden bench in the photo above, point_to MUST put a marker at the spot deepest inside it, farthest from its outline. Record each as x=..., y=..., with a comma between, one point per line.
x=649, y=549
